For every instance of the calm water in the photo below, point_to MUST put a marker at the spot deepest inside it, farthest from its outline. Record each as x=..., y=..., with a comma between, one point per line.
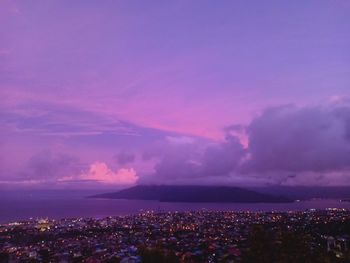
x=60, y=204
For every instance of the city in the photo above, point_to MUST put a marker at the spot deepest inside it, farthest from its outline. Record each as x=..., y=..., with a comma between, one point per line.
x=201, y=236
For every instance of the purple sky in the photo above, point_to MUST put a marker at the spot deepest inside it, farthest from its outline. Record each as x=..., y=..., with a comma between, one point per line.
x=114, y=93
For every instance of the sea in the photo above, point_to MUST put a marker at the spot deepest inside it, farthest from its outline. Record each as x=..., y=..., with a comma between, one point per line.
x=26, y=205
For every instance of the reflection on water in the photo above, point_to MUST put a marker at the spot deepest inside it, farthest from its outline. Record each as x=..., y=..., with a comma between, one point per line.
x=21, y=206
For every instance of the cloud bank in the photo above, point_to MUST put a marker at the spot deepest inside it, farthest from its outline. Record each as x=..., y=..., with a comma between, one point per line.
x=282, y=145
x=285, y=145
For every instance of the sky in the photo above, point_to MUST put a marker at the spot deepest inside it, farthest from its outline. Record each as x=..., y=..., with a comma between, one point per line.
x=108, y=94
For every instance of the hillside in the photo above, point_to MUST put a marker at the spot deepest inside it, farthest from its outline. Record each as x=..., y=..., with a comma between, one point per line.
x=213, y=194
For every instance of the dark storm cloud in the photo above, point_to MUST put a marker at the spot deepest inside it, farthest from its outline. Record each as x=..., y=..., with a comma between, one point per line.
x=224, y=158
x=300, y=139
x=286, y=144
x=194, y=160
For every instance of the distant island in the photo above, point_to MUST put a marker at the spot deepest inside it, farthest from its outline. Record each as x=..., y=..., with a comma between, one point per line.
x=193, y=194
x=306, y=192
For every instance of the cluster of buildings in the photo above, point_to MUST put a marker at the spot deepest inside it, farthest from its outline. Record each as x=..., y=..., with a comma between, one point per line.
x=200, y=236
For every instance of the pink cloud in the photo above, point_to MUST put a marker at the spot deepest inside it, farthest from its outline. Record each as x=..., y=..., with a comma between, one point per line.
x=99, y=171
